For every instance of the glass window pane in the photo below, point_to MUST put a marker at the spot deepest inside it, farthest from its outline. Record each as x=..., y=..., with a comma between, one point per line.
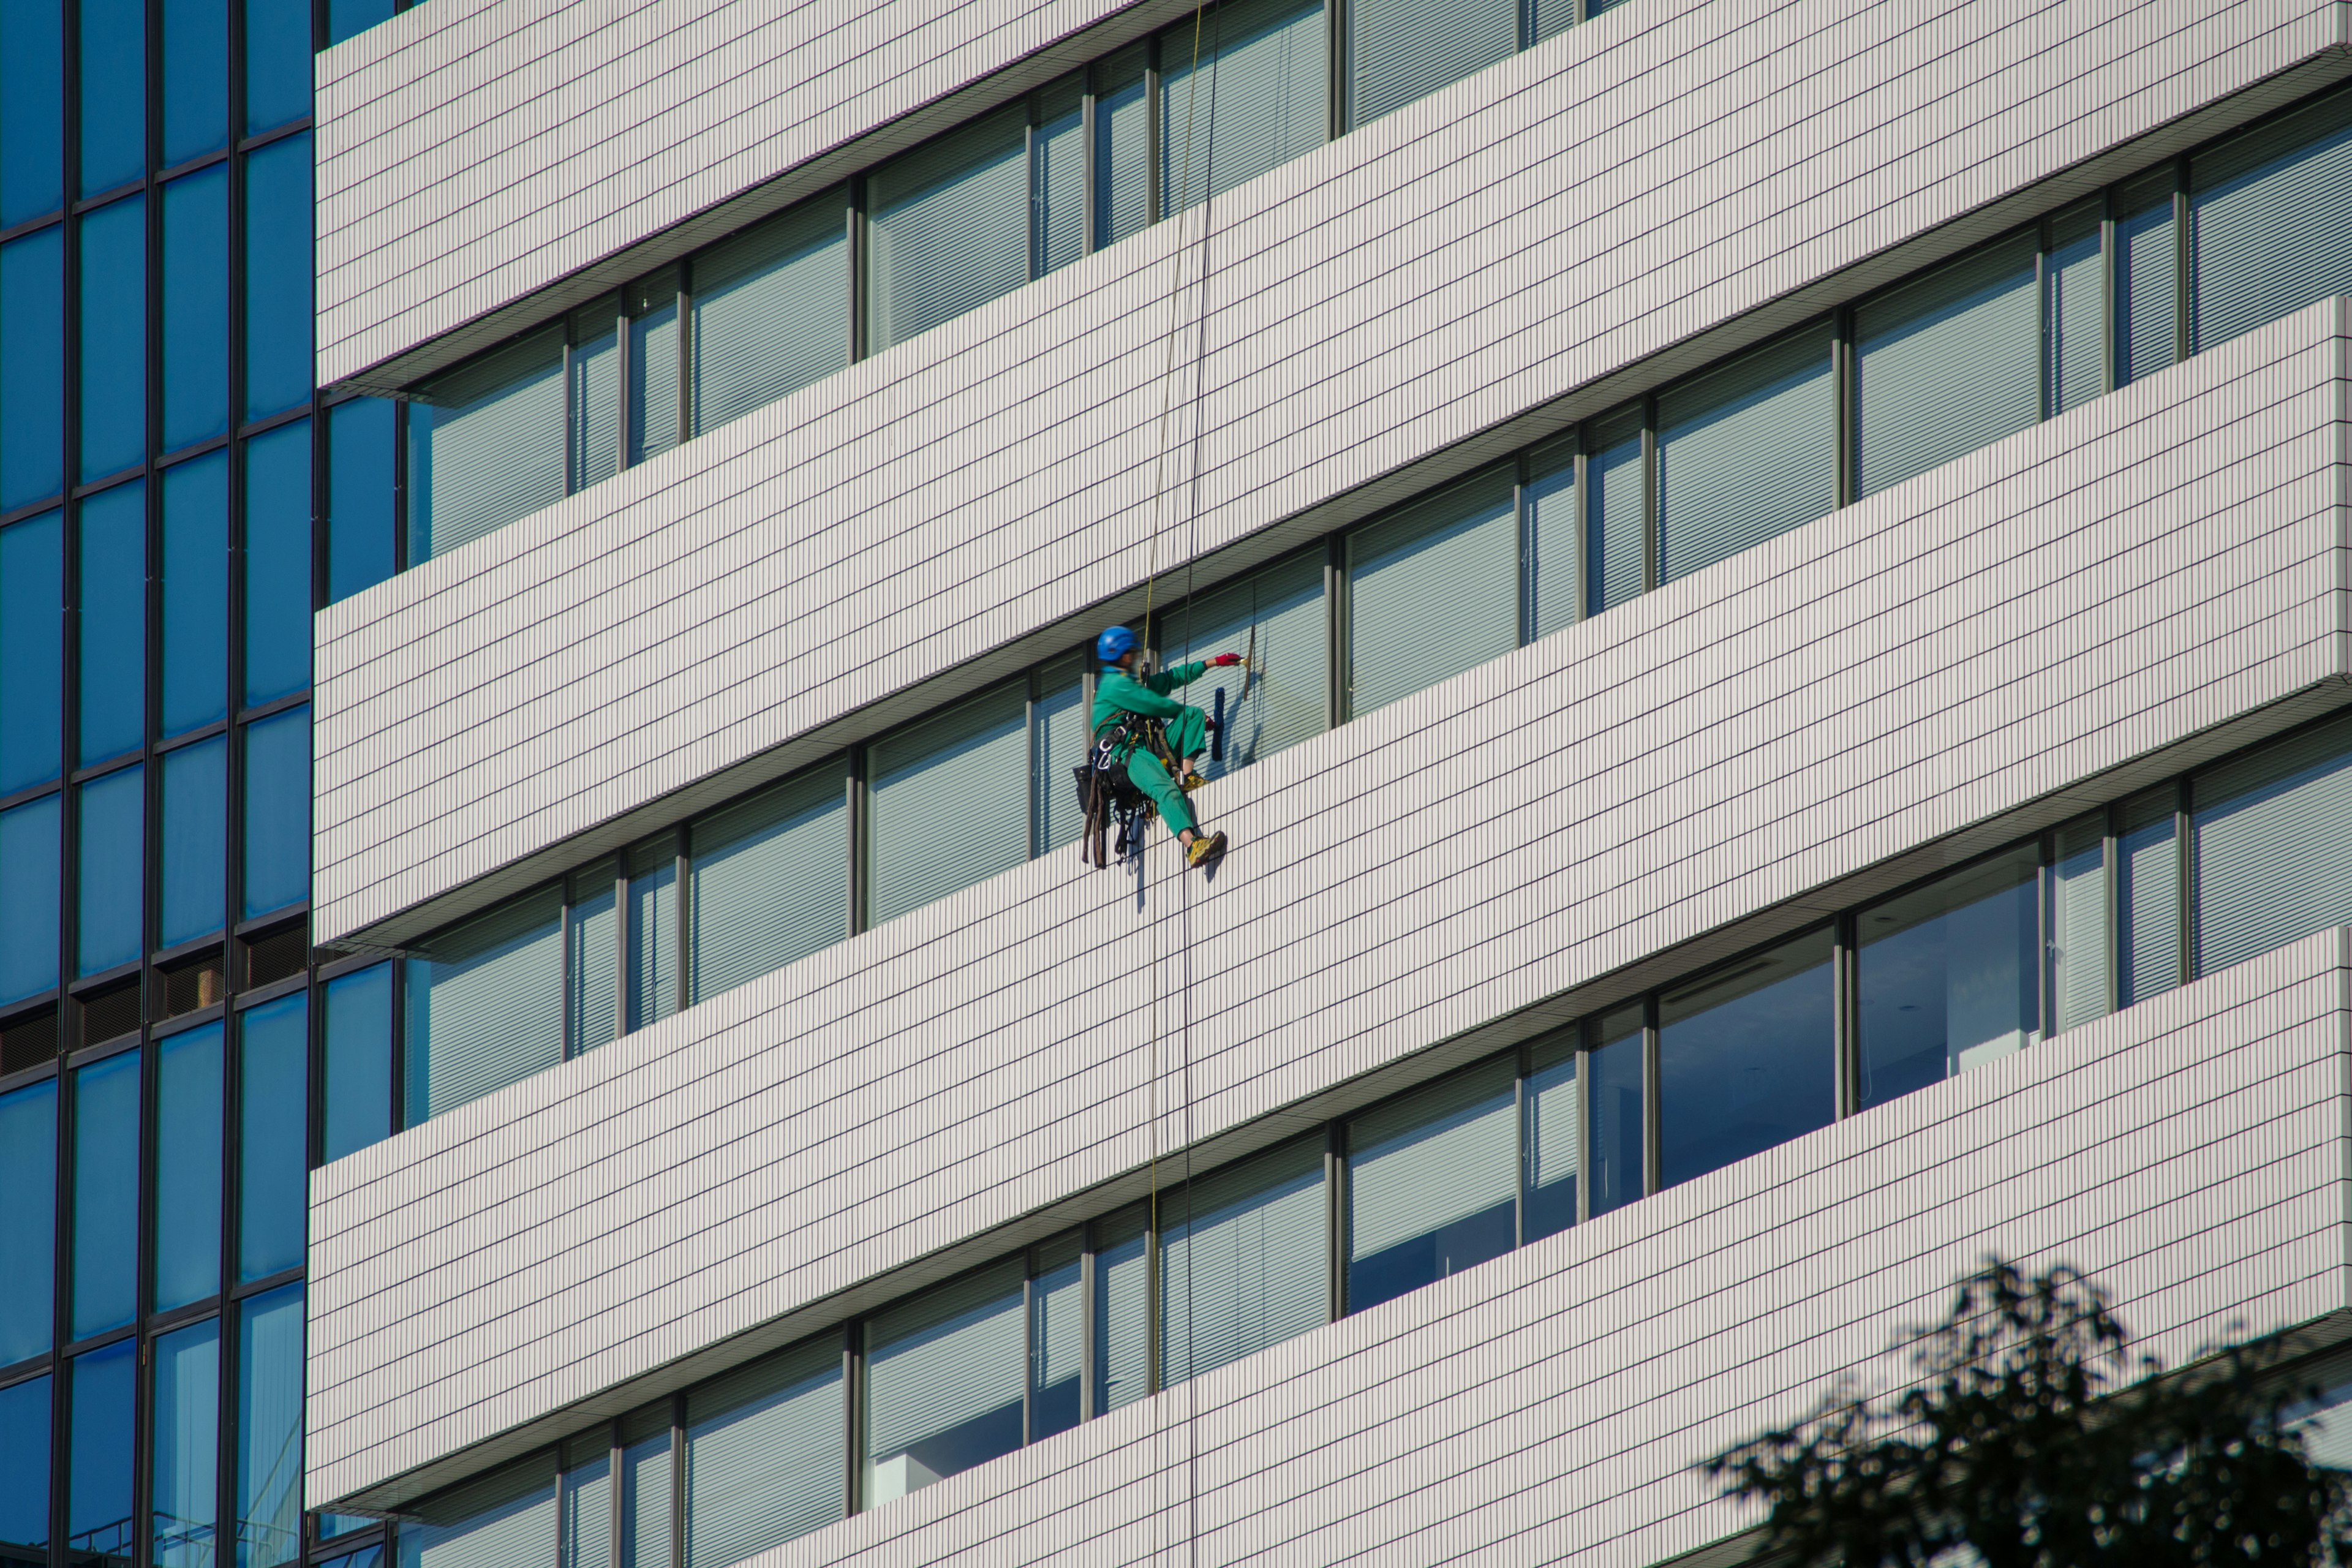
x=346, y=17
x=105, y=1196
x=113, y=335
x=485, y=1005
x=2148, y=279
x=1614, y=528
x=2075, y=309
x=588, y=1502
x=269, y=1428
x=32, y=651
x=111, y=853
x=1614, y=1119
x=357, y=1095
x=276, y=62
x=195, y=594
x=1432, y=1184
x=32, y=367
x=192, y=862
x=503, y=1520
x=770, y=881
x=195, y=56
x=188, y=1109
x=2273, y=846
x=646, y=1491
x=1550, y=1139
x=28, y=916
x=1553, y=572
x=195, y=306
x=113, y=93
x=277, y=811
x=2078, y=924
x=1122, y=146
x=273, y=1173
x=277, y=563
x=1746, y=452
x=1431, y=591
x=360, y=530
x=278, y=276
x=1553, y=17
x=1057, y=744
x=946, y=803
x=1263, y=82
x=947, y=228
x=1058, y=177
x=1057, y=1338
x=113, y=641
x=485, y=445
x=1285, y=698
x=185, y=1443
x=763, y=1455
x=770, y=310
x=32, y=113
x=1122, y=1327
x=653, y=367
x=2268, y=214
x=1946, y=977
x=653, y=932
x=25, y=1465
x=595, y=398
x=594, y=987
x=1745, y=1060
x=1401, y=50
x=2148, y=897
x=99, y=1455
x=1948, y=364
x=29, y=1175
x=1245, y=1261
x=943, y=1383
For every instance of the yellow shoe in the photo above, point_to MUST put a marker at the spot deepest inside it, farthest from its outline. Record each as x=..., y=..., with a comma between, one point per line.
x=1202, y=850
x=1190, y=781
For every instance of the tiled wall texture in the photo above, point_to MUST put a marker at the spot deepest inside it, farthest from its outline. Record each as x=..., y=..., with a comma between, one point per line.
x=2032, y=629
x=1646, y=190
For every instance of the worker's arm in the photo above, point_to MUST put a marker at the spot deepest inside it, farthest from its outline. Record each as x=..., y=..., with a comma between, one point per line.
x=1132, y=696
x=1179, y=675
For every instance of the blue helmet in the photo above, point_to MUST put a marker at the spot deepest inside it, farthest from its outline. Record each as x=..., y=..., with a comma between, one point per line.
x=1113, y=643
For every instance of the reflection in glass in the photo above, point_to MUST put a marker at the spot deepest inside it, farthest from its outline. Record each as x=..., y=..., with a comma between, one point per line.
x=114, y=338
x=2075, y=310
x=1401, y=50
x=1745, y=1059
x=1057, y=1338
x=277, y=63
x=943, y=1382
x=1433, y=590
x=1550, y=1139
x=1245, y=1261
x=278, y=562
x=269, y=1428
x=1121, y=1311
x=195, y=593
x=113, y=623
x=277, y=811
x=1946, y=976
x=2272, y=858
x=188, y=1108
x=195, y=56
x=195, y=279
x=32, y=120
x=112, y=809
x=763, y=1456
x=357, y=1097
x=1122, y=145
x=277, y=276
x=29, y=1220
x=24, y=1461
x=31, y=361
x=273, y=1176
x=32, y=651
x=1432, y=1184
x=360, y=529
x=1613, y=1112
x=1057, y=742
x=99, y=1455
x=113, y=93
x=193, y=859
x=28, y=916
x=184, y=1447
x=2147, y=278
x=2267, y=216
x=485, y=1005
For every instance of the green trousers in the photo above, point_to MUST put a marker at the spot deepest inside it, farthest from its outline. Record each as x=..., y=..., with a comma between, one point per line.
x=1188, y=737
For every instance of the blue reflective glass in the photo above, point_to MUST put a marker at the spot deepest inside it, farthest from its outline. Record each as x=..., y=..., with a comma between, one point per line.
x=113, y=93
x=345, y=17
x=28, y=1226
x=276, y=62
x=32, y=649
x=277, y=811
x=192, y=859
x=188, y=1109
x=277, y=563
x=194, y=671
x=32, y=112
x=28, y=915
x=98, y=1455
x=113, y=337
x=183, y=1441
x=108, y=866
x=32, y=367
x=195, y=56
x=25, y=1464
x=105, y=1196
x=357, y=1098
x=195, y=307
x=113, y=623
x=269, y=1428
x=360, y=526
x=1745, y=1060
x=272, y=1183
x=278, y=276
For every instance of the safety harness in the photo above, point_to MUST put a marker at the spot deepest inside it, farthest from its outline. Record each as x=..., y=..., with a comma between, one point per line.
x=1105, y=792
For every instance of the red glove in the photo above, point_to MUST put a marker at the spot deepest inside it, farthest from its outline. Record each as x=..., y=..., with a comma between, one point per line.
x=1227, y=660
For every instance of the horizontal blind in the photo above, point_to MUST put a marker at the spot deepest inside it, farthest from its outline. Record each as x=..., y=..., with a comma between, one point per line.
x=1615, y=517
x=1286, y=698
x=646, y=1493
x=947, y=805
x=1433, y=590
x=771, y=879
x=2268, y=214
x=504, y=1520
x=2148, y=279
x=596, y=416
x=1552, y=572
x=1057, y=744
x=1552, y=1132
x=2147, y=866
x=763, y=1455
x=594, y=956
x=948, y=226
x=1747, y=452
x=770, y=310
x=1122, y=147
x=1948, y=364
x=2075, y=310
x=951, y=1356
x=485, y=444
x=2078, y=924
x=1400, y=50
x=588, y=1506
x=1057, y=1339
x=485, y=1005
x=1262, y=97
x=653, y=367
x=2273, y=846
x=652, y=932
x=1122, y=1309
x=1058, y=179
x=1446, y=1152
x=1245, y=1261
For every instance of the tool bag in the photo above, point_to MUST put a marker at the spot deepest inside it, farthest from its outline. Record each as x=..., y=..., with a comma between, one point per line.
x=1105, y=793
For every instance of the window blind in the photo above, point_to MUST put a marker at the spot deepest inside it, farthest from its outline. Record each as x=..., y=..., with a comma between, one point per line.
x=485, y=1005
x=1746, y=453
x=595, y=392
x=647, y=1456
x=595, y=956
x=503, y=1520
x=2273, y=846
x=1551, y=1157
x=944, y=1374
x=2147, y=897
x=1122, y=147
x=2148, y=279
x=2268, y=217
x=947, y=807
x=1057, y=1339
x=763, y=1455
x=2075, y=310
x=1445, y=1153
x=1262, y=98
x=1553, y=542
x=1614, y=520
x=1286, y=698
x=1948, y=364
x=771, y=879
x=1431, y=591
x=653, y=367
x=1123, y=1312
x=652, y=937
x=1058, y=179
x=2078, y=925
x=947, y=228
x=1057, y=742
x=485, y=444
x=588, y=1504
x=770, y=310
x=1245, y=1261
x=1400, y=50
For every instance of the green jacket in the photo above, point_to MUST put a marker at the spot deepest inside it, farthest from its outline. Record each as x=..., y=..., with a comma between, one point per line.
x=1118, y=693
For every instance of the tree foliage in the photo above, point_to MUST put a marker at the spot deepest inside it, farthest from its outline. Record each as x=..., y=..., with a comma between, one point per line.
x=2032, y=1436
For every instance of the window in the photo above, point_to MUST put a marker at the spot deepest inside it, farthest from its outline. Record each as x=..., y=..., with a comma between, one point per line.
x=587, y=1503
x=1945, y=977
x=195, y=57
x=2075, y=310
x=194, y=666
x=1058, y=177
x=1550, y=1139
x=1244, y=1260
x=32, y=651
x=654, y=379
x=113, y=93
x=1259, y=97
x=770, y=310
x=1614, y=1123
x=1552, y=568
x=189, y=1097
x=192, y=861
x=361, y=542
x=485, y=1005
x=109, y=866
x=1745, y=453
x=273, y=1175
x=113, y=623
x=763, y=1455
x=277, y=811
x=185, y=1442
x=113, y=341
x=1122, y=167
x=1616, y=563
x=277, y=63
x=653, y=932
x=278, y=276
x=1283, y=700
x=1431, y=591
x=2077, y=921
x=648, y=1449
x=1122, y=1310
x=269, y=1454
x=1948, y=364
x=105, y=1196
x=1057, y=1338
x=196, y=301
x=1764, y=1027
x=503, y=1520
x=28, y=916
x=2147, y=278
x=1399, y=51
x=24, y=1461
x=944, y=1382
x=1432, y=1183
x=946, y=801
x=29, y=1173
x=31, y=361
x=946, y=227
x=356, y=1102
x=2148, y=898
x=32, y=118
x=2273, y=857
x=771, y=879
x=100, y=1457
x=1060, y=739
x=592, y=370
x=2267, y=216
x=277, y=563
x=485, y=444
x=591, y=958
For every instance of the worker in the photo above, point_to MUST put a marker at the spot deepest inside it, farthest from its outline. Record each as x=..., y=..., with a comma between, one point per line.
x=1121, y=692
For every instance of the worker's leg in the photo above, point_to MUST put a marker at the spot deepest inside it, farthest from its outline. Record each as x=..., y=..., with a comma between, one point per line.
x=1150, y=777
x=1188, y=733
